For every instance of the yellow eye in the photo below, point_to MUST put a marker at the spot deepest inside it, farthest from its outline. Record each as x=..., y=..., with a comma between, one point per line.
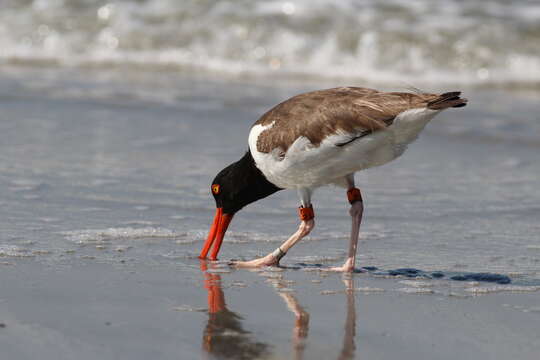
x=215, y=189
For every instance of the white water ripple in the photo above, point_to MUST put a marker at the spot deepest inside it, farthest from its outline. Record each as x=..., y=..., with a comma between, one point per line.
x=99, y=235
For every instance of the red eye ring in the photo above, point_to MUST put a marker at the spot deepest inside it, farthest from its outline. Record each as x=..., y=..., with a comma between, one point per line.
x=216, y=189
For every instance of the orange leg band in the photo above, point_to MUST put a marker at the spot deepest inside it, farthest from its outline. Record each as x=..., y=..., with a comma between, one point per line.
x=306, y=213
x=354, y=195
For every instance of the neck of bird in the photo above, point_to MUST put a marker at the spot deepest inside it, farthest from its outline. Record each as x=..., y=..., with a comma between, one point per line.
x=251, y=181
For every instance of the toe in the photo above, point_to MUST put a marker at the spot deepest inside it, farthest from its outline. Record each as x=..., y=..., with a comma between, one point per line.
x=268, y=260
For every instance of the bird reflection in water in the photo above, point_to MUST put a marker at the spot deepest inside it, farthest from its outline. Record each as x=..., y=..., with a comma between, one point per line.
x=349, y=346
x=225, y=338
x=301, y=323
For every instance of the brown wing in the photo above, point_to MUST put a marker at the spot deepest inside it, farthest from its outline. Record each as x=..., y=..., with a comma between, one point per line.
x=351, y=110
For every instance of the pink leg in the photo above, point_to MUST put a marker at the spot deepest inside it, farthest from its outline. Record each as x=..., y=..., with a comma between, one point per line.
x=306, y=215
x=273, y=258
x=356, y=212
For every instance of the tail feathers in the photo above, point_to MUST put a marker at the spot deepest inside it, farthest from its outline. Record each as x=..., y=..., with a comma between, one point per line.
x=446, y=100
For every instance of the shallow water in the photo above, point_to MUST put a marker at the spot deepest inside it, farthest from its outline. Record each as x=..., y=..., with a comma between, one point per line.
x=95, y=167
x=198, y=310
x=104, y=187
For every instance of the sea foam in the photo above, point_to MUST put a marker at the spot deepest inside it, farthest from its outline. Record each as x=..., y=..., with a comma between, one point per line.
x=99, y=235
x=475, y=42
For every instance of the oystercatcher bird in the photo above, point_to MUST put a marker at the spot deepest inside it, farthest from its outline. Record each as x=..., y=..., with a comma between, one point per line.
x=315, y=139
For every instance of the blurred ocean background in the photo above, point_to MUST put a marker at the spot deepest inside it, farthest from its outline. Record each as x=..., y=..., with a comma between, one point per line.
x=115, y=117
x=493, y=42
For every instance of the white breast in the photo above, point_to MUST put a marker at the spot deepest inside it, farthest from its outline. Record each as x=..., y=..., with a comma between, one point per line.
x=306, y=165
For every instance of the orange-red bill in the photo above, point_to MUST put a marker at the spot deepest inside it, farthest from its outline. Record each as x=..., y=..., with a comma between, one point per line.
x=222, y=228
x=215, y=235
x=212, y=234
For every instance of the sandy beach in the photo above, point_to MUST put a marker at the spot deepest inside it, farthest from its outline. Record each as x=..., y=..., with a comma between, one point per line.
x=138, y=311
x=106, y=204
x=115, y=116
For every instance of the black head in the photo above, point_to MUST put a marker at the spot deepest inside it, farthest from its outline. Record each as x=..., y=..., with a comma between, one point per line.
x=234, y=187
x=240, y=184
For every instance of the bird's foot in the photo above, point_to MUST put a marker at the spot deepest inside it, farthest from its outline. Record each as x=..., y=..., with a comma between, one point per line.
x=268, y=260
x=347, y=267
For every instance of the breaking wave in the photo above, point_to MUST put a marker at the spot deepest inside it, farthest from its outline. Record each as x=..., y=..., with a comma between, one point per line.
x=419, y=41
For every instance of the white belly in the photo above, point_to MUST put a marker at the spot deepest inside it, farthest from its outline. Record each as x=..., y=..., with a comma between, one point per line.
x=305, y=165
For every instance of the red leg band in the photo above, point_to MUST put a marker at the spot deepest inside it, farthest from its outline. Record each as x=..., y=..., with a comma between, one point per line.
x=306, y=213
x=354, y=195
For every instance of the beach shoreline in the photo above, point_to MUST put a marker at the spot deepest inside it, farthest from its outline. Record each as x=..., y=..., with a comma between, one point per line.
x=131, y=310
x=106, y=203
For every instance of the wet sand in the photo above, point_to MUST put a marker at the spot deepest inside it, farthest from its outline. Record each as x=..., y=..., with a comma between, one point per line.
x=104, y=187
x=138, y=311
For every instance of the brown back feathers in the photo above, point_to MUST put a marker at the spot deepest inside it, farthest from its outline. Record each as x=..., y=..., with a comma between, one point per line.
x=351, y=110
